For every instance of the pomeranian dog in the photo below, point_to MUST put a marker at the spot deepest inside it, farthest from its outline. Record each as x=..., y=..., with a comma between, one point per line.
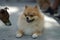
x=30, y=22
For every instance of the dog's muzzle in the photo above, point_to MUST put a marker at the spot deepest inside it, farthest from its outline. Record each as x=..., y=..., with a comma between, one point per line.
x=8, y=24
x=29, y=21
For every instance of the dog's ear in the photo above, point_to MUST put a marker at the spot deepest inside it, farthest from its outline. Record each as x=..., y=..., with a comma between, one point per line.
x=6, y=8
x=36, y=6
x=26, y=6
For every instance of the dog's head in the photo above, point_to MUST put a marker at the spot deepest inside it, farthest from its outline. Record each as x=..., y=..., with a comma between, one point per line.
x=31, y=14
x=4, y=16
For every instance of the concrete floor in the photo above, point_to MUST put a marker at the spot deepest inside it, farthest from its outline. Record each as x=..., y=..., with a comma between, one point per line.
x=51, y=32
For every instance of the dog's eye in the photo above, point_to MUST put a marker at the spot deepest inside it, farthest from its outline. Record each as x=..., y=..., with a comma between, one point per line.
x=25, y=15
x=31, y=15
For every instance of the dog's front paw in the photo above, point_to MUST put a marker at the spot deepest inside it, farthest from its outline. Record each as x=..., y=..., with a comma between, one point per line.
x=18, y=35
x=34, y=36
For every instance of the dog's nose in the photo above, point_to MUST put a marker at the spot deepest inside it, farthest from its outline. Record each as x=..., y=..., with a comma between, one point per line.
x=27, y=18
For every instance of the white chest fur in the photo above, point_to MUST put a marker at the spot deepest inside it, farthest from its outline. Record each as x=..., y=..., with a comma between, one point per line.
x=29, y=28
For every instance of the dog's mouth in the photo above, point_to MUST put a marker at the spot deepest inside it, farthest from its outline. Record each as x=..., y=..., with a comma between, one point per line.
x=29, y=21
